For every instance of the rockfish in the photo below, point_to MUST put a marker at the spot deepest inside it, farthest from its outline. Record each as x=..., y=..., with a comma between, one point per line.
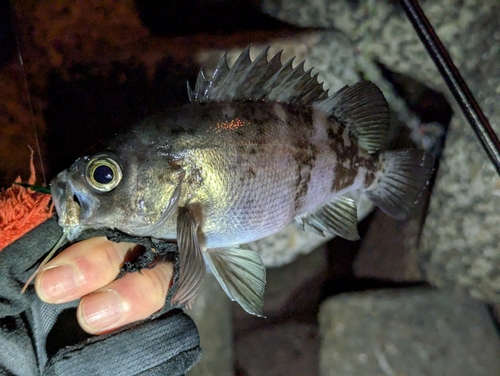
x=259, y=145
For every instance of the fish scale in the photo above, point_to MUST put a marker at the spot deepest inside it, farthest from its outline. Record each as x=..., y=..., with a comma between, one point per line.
x=260, y=144
x=266, y=202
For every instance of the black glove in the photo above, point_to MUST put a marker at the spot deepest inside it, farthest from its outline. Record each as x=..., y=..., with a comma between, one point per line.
x=37, y=338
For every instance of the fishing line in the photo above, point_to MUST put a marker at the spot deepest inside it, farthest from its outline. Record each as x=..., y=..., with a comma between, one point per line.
x=26, y=87
x=470, y=108
x=63, y=239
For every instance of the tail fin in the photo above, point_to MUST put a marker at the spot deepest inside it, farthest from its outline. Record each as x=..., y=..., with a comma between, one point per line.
x=403, y=175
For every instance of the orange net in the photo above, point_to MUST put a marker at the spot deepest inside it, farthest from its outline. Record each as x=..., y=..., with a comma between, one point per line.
x=22, y=209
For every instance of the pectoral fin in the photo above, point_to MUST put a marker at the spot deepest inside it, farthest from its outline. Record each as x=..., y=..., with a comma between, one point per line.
x=192, y=265
x=241, y=274
x=339, y=217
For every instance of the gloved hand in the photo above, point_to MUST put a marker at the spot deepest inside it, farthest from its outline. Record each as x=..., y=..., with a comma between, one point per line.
x=40, y=338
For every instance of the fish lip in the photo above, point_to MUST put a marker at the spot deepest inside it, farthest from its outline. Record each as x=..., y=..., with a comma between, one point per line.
x=58, y=190
x=63, y=189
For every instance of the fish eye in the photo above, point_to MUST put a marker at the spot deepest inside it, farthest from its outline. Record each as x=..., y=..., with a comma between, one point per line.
x=103, y=173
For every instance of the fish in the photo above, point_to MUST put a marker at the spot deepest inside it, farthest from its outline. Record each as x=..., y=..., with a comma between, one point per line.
x=259, y=145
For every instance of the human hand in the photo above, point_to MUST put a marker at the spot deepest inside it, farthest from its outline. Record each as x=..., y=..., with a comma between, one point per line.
x=50, y=340
x=87, y=271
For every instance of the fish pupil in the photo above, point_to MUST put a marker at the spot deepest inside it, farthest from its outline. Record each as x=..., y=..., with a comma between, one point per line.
x=103, y=174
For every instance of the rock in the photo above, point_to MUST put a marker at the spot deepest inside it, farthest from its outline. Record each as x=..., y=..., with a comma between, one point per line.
x=384, y=254
x=285, y=349
x=211, y=312
x=459, y=244
x=286, y=341
x=407, y=332
x=286, y=284
x=292, y=291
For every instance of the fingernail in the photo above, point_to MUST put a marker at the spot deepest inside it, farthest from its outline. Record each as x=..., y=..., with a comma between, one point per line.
x=58, y=282
x=101, y=309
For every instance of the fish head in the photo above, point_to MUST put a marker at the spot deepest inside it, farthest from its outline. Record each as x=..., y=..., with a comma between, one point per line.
x=107, y=191
x=77, y=192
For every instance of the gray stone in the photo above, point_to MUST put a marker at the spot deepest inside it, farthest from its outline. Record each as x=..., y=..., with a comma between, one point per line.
x=384, y=253
x=407, y=332
x=280, y=344
x=286, y=349
x=292, y=290
x=211, y=312
x=284, y=283
x=459, y=245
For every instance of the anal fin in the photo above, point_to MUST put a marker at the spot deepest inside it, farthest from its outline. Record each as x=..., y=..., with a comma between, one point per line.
x=338, y=217
x=192, y=266
x=241, y=274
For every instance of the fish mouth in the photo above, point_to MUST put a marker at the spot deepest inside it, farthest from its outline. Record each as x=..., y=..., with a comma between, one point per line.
x=74, y=205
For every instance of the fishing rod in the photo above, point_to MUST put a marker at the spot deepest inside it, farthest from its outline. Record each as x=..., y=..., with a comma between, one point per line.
x=451, y=75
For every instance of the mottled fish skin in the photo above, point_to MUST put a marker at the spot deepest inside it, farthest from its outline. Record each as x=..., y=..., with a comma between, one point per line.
x=254, y=166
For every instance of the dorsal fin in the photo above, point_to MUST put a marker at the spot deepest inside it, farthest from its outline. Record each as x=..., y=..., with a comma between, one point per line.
x=363, y=109
x=258, y=79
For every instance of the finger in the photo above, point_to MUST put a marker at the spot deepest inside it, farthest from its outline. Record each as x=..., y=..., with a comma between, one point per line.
x=133, y=297
x=80, y=269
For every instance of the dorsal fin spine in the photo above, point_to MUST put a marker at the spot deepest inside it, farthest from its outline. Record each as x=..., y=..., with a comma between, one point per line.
x=191, y=95
x=201, y=83
x=258, y=79
x=295, y=74
x=276, y=79
x=270, y=69
x=253, y=75
x=221, y=70
x=242, y=62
